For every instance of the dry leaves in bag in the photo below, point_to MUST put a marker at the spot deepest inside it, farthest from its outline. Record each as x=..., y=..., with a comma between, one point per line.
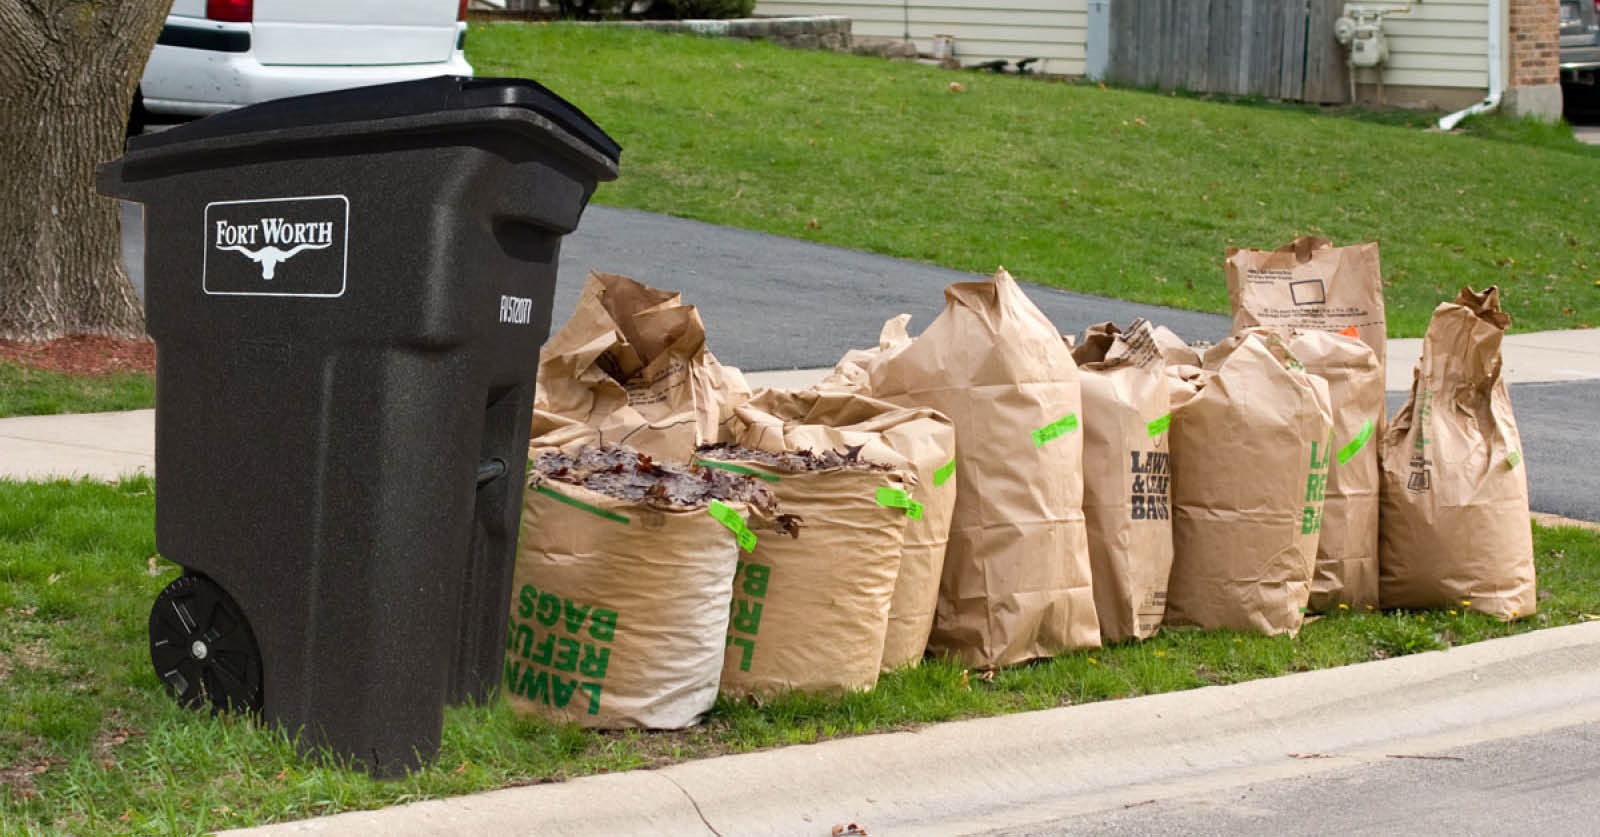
x=622, y=588
x=1347, y=548
x=1250, y=457
x=1454, y=528
x=1016, y=582
x=918, y=440
x=810, y=614
x=1126, y=462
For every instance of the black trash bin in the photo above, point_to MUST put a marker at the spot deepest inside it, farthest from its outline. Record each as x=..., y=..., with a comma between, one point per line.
x=348, y=292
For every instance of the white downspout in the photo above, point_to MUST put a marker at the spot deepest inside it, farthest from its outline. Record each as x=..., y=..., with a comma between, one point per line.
x=1496, y=71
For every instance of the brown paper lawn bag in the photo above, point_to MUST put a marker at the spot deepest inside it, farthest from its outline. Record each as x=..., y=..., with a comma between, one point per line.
x=1309, y=285
x=1347, y=548
x=1454, y=530
x=1250, y=458
x=810, y=614
x=1017, y=583
x=918, y=440
x=1127, y=477
x=620, y=603
x=850, y=373
x=633, y=364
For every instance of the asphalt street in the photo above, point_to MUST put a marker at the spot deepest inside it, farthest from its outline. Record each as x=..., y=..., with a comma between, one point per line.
x=1542, y=784
x=770, y=302
x=778, y=303
x=1557, y=422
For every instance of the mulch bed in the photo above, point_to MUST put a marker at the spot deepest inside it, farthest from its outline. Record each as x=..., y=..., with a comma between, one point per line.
x=82, y=355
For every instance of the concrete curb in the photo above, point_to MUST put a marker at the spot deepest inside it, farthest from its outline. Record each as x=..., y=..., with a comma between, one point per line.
x=1015, y=770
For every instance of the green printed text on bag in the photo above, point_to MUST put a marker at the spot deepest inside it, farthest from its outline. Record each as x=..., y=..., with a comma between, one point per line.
x=1159, y=426
x=1316, y=489
x=1513, y=461
x=750, y=582
x=1359, y=441
x=555, y=636
x=945, y=472
x=897, y=498
x=1055, y=430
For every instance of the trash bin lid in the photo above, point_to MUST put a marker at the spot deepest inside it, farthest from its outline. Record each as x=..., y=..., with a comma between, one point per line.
x=387, y=101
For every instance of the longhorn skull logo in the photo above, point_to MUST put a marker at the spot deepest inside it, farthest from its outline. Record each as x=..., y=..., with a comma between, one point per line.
x=269, y=257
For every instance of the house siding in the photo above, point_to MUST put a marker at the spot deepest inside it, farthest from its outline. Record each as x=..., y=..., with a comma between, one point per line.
x=1050, y=30
x=1436, y=44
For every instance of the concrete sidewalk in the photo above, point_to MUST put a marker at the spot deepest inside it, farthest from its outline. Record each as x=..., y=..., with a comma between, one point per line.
x=102, y=446
x=1017, y=770
x=111, y=445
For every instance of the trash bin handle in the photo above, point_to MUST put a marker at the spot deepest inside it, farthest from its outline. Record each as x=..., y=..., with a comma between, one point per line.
x=530, y=193
x=490, y=470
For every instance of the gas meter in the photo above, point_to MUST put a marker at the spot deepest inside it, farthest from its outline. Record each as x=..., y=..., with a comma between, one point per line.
x=1360, y=30
x=1368, y=47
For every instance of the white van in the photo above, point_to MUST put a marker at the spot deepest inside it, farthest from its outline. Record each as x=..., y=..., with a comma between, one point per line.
x=215, y=55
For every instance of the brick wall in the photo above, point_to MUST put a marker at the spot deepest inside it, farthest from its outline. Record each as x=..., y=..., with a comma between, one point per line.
x=1535, y=42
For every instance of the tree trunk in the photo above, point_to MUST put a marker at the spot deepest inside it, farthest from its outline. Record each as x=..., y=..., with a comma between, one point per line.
x=67, y=73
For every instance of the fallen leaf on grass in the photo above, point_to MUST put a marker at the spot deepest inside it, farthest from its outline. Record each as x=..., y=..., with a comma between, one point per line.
x=110, y=739
x=813, y=224
x=152, y=565
x=19, y=777
x=958, y=87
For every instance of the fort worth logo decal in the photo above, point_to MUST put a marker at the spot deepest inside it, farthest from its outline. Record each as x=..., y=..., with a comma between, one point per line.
x=277, y=246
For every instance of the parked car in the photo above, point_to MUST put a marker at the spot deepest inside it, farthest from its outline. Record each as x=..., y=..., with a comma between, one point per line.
x=1580, y=42
x=215, y=55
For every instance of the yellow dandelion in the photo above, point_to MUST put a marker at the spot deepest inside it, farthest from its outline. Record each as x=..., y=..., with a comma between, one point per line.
x=1452, y=613
x=1515, y=614
x=1343, y=606
x=1161, y=653
x=1370, y=608
x=1093, y=661
x=1466, y=603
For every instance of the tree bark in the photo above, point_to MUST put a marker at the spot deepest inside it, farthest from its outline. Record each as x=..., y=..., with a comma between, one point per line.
x=67, y=73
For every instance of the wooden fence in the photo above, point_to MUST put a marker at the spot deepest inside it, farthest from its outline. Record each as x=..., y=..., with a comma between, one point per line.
x=1279, y=49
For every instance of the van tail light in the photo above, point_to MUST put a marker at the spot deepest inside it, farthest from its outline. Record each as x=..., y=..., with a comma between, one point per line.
x=461, y=9
x=230, y=11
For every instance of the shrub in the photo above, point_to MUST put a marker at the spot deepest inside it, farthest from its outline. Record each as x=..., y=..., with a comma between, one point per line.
x=691, y=9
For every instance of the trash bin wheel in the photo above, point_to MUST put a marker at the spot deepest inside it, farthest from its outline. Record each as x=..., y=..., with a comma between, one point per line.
x=202, y=647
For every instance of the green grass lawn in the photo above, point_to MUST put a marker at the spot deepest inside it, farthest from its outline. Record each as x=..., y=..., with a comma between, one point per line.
x=25, y=391
x=89, y=743
x=1112, y=192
